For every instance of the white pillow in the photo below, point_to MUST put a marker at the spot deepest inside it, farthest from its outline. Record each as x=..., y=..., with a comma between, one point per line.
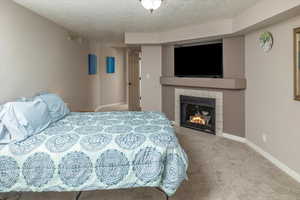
x=4, y=134
x=57, y=107
x=24, y=119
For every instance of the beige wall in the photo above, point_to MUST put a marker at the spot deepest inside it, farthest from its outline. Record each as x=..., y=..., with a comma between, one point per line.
x=270, y=108
x=109, y=88
x=37, y=56
x=151, y=73
x=252, y=18
x=210, y=29
x=95, y=79
x=113, y=86
x=234, y=57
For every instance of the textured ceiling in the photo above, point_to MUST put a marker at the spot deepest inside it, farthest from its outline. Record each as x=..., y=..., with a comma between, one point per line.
x=109, y=19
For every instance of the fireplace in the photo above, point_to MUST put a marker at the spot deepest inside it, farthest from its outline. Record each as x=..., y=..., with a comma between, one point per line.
x=198, y=113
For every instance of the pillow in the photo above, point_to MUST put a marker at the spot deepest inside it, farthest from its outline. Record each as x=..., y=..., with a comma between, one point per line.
x=24, y=119
x=4, y=134
x=22, y=99
x=56, y=106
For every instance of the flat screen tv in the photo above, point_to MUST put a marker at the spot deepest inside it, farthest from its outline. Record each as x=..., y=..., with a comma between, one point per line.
x=204, y=60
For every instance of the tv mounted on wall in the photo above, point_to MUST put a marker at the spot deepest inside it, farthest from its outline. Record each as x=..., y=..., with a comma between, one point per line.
x=203, y=60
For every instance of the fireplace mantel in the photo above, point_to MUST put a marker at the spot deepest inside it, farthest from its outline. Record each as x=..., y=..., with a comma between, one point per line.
x=215, y=83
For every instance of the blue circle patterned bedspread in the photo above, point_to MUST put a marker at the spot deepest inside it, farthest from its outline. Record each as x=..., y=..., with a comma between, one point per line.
x=96, y=151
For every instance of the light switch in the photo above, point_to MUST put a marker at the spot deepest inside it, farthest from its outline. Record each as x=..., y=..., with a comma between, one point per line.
x=148, y=76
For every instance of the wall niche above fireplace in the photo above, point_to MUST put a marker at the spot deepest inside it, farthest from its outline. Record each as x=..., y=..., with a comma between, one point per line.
x=198, y=113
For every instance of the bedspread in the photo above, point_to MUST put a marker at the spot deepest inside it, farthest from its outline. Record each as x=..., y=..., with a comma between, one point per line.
x=96, y=151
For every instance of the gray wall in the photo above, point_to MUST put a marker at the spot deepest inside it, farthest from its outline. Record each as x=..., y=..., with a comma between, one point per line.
x=36, y=55
x=233, y=100
x=270, y=108
x=151, y=73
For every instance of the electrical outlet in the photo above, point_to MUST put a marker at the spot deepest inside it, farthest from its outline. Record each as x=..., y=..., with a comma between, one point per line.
x=264, y=137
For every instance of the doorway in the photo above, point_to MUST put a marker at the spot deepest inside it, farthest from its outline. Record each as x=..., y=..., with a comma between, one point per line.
x=134, y=79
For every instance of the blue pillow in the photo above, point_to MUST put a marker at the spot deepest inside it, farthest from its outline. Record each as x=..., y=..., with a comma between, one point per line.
x=24, y=119
x=56, y=106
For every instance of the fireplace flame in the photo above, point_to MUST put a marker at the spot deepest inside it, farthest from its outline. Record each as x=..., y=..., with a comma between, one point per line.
x=197, y=119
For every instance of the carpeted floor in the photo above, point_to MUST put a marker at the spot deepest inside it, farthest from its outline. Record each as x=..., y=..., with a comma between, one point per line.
x=220, y=169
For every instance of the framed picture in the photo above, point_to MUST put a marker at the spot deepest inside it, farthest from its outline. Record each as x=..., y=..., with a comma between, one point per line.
x=92, y=64
x=110, y=65
x=297, y=64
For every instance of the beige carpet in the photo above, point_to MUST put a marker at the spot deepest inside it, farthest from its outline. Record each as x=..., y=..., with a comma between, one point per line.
x=220, y=169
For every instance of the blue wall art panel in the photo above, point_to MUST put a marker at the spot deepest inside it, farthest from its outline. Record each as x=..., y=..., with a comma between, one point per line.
x=92, y=64
x=110, y=65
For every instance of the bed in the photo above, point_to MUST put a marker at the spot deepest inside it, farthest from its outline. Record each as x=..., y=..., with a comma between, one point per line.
x=96, y=151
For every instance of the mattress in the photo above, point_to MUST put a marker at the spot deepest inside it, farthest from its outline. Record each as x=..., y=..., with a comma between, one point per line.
x=96, y=151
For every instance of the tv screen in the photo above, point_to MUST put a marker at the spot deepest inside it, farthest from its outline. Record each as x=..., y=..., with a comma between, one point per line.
x=199, y=61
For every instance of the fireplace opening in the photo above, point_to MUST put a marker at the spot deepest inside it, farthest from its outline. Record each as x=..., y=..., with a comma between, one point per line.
x=198, y=113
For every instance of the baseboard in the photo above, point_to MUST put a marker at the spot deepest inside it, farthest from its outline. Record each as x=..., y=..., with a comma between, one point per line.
x=273, y=160
x=109, y=105
x=266, y=155
x=234, y=137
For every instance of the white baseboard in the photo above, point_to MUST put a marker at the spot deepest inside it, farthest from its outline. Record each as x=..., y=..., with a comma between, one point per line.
x=233, y=137
x=273, y=160
x=266, y=155
x=108, y=105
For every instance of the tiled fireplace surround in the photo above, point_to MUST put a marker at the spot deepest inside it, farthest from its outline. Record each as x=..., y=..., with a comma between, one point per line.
x=205, y=94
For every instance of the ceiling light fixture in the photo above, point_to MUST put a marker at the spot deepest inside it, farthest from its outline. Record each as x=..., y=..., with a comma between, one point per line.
x=151, y=5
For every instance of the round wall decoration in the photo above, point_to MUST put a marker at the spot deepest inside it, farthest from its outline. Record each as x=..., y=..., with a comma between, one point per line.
x=266, y=41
